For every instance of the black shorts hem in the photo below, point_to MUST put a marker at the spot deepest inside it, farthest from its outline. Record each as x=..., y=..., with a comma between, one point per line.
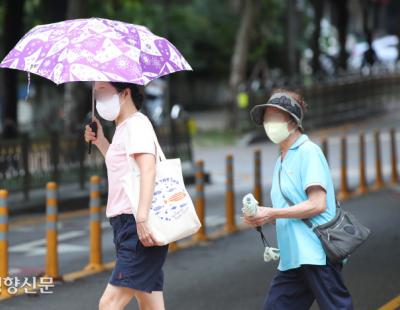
x=134, y=287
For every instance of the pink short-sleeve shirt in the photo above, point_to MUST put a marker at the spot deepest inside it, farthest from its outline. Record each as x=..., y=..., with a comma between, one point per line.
x=141, y=140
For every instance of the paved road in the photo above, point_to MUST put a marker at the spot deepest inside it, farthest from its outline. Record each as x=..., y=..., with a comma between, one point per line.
x=28, y=245
x=229, y=273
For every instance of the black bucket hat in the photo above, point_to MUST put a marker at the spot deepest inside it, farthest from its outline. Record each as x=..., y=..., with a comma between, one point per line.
x=280, y=101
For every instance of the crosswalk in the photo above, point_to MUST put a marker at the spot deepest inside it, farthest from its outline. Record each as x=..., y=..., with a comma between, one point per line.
x=38, y=247
x=77, y=241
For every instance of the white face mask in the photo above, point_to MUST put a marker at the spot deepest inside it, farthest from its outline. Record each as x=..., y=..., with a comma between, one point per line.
x=277, y=131
x=109, y=109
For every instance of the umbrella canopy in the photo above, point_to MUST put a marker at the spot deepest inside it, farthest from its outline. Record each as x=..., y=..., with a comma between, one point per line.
x=95, y=49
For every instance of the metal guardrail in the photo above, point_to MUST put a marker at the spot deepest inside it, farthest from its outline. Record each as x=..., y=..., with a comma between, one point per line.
x=350, y=98
x=29, y=163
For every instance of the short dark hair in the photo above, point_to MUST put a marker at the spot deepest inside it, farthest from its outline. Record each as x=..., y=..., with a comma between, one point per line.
x=136, y=92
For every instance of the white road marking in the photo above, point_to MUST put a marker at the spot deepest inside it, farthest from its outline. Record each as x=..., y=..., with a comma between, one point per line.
x=22, y=229
x=61, y=249
x=28, y=246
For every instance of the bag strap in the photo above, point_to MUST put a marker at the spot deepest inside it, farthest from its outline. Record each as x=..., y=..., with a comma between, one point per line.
x=290, y=203
x=160, y=156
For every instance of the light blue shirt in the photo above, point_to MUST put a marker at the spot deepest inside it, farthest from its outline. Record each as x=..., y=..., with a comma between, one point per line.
x=303, y=166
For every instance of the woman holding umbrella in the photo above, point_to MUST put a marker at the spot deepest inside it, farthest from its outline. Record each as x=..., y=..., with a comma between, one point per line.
x=138, y=268
x=116, y=56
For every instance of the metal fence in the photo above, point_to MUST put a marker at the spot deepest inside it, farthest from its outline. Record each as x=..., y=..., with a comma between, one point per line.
x=28, y=163
x=352, y=97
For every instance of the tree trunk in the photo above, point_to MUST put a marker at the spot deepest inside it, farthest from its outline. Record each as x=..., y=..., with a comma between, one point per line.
x=75, y=94
x=12, y=34
x=343, y=19
x=291, y=38
x=239, y=59
x=318, y=6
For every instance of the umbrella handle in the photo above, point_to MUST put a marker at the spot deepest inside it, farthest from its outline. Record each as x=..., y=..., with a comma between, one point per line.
x=93, y=126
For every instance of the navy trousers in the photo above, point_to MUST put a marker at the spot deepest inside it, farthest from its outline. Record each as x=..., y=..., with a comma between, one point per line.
x=298, y=288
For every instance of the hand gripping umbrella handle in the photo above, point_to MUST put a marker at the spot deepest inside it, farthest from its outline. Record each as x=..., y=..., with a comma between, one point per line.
x=93, y=126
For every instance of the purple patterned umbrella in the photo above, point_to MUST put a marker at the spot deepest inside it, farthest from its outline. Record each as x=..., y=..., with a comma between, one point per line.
x=95, y=49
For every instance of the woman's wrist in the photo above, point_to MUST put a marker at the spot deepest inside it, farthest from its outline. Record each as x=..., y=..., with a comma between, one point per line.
x=103, y=145
x=276, y=213
x=141, y=218
x=102, y=142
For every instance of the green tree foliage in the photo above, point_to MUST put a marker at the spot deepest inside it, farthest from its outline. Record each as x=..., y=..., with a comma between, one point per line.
x=204, y=30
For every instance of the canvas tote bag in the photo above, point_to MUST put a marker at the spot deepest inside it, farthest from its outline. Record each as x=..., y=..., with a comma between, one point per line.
x=172, y=215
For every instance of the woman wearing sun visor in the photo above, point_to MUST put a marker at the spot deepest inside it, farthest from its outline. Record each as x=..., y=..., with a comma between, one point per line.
x=302, y=188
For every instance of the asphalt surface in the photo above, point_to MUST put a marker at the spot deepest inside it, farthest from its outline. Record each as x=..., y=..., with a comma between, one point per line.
x=27, y=244
x=211, y=276
x=229, y=273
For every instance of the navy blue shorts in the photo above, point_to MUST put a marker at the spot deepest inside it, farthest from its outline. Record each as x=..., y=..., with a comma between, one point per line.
x=298, y=288
x=136, y=266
